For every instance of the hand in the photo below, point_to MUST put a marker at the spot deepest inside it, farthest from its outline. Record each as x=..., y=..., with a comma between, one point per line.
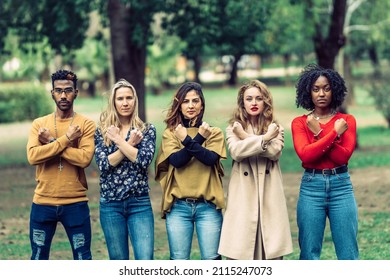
x=272, y=132
x=313, y=124
x=181, y=132
x=135, y=137
x=205, y=130
x=113, y=133
x=44, y=135
x=340, y=126
x=239, y=131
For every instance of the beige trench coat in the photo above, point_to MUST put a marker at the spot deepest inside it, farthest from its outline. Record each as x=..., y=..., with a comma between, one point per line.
x=255, y=198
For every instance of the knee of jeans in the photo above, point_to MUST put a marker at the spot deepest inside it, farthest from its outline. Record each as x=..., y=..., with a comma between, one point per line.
x=78, y=240
x=39, y=237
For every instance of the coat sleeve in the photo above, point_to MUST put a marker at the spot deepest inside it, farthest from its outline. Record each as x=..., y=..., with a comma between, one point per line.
x=254, y=145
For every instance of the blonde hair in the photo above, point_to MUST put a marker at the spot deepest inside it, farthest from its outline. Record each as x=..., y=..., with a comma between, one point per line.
x=265, y=118
x=110, y=115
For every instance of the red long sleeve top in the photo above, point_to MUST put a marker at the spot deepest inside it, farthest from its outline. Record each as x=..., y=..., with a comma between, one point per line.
x=325, y=151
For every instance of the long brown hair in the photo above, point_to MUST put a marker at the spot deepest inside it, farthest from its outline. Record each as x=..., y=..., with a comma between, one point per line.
x=265, y=118
x=174, y=116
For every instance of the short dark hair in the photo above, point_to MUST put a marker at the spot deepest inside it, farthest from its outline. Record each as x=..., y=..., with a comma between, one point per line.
x=305, y=83
x=64, y=75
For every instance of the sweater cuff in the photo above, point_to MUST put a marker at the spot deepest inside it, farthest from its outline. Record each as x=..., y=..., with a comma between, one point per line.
x=199, y=138
x=186, y=140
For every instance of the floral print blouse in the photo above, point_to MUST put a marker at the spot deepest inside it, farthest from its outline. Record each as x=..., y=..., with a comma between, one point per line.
x=127, y=178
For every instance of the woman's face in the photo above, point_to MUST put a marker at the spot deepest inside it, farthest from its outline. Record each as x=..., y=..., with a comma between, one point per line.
x=253, y=102
x=192, y=105
x=321, y=93
x=124, y=101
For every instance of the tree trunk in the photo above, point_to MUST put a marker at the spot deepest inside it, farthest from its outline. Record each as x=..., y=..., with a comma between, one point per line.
x=327, y=48
x=373, y=55
x=197, y=67
x=129, y=59
x=286, y=63
x=233, y=73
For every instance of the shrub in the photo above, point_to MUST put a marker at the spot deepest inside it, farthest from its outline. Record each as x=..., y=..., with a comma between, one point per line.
x=19, y=102
x=380, y=91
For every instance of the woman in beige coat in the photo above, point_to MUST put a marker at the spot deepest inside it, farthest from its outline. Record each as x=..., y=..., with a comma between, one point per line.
x=256, y=224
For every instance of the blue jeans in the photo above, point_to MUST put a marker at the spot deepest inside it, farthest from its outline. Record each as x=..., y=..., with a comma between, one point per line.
x=180, y=223
x=329, y=196
x=76, y=221
x=132, y=218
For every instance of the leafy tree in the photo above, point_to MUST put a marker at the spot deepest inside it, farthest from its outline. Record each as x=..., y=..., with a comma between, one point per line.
x=327, y=20
x=130, y=34
x=243, y=24
x=63, y=23
x=196, y=23
x=162, y=59
x=44, y=26
x=368, y=32
x=286, y=33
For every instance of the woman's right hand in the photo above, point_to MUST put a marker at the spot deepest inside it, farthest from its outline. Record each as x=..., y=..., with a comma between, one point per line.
x=180, y=132
x=313, y=124
x=239, y=131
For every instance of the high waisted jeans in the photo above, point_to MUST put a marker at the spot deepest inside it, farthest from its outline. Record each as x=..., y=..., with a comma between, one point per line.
x=180, y=223
x=76, y=221
x=329, y=196
x=131, y=217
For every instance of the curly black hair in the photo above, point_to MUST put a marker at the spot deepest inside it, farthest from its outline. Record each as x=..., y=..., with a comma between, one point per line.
x=308, y=77
x=64, y=75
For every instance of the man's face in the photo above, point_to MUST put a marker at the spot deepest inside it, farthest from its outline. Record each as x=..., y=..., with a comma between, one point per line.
x=64, y=94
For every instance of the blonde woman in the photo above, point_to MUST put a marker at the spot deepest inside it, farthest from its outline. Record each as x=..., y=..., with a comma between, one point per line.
x=125, y=147
x=256, y=224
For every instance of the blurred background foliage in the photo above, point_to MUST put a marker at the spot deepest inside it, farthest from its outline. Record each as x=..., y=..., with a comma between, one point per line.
x=158, y=44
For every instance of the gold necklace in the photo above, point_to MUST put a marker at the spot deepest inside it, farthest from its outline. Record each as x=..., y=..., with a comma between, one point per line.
x=323, y=117
x=60, y=166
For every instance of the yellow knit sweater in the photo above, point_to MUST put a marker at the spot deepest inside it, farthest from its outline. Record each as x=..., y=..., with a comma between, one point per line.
x=69, y=185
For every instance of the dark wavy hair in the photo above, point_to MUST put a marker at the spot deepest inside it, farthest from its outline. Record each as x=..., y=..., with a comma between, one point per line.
x=64, y=75
x=175, y=116
x=306, y=81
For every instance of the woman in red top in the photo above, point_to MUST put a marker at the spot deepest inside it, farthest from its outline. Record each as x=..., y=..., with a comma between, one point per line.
x=324, y=140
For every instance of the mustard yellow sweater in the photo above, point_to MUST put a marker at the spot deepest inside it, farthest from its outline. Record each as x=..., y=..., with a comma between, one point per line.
x=194, y=179
x=55, y=187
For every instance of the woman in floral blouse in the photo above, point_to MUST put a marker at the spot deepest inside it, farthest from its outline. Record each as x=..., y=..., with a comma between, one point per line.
x=124, y=149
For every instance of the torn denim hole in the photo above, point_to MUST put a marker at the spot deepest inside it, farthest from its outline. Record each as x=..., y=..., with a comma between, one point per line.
x=39, y=237
x=78, y=240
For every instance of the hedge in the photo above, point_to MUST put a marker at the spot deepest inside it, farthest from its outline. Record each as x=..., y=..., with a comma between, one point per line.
x=23, y=101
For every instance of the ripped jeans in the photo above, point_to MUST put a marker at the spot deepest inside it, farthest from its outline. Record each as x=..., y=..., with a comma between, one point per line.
x=76, y=220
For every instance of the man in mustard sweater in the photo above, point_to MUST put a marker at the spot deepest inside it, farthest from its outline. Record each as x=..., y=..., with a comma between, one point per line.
x=61, y=146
